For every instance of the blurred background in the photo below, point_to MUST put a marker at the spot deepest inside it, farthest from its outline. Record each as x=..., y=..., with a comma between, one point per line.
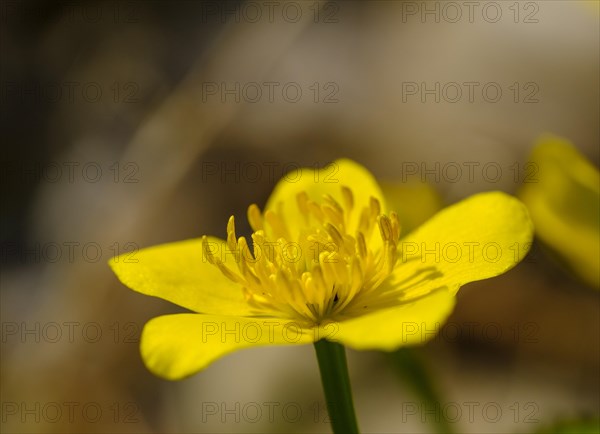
x=129, y=124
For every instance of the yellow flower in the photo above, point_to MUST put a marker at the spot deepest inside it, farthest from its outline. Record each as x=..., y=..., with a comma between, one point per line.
x=563, y=197
x=327, y=261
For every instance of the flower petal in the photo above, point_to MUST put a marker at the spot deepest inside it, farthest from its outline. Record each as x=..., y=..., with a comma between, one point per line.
x=480, y=237
x=176, y=346
x=415, y=202
x=388, y=329
x=179, y=272
x=325, y=181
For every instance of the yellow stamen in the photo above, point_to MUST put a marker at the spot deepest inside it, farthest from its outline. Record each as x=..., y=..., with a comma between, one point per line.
x=254, y=218
x=326, y=270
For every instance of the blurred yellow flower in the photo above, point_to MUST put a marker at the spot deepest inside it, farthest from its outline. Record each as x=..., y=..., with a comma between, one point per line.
x=413, y=201
x=564, y=202
x=327, y=262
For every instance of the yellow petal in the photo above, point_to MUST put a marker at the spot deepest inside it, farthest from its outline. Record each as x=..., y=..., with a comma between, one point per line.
x=180, y=273
x=325, y=181
x=176, y=346
x=563, y=198
x=480, y=237
x=413, y=202
x=388, y=329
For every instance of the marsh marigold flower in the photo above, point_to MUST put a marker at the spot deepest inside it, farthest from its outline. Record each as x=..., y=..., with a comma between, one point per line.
x=326, y=260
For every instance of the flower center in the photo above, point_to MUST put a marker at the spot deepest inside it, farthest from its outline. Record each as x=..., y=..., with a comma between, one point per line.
x=328, y=271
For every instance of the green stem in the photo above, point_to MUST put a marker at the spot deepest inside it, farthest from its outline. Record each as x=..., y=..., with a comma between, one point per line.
x=336, y=384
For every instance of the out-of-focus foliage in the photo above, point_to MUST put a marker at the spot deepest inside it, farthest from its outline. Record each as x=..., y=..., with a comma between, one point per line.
x=573, y=427
x=563, y=198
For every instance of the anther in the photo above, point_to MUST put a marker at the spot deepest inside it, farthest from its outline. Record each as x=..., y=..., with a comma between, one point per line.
x=255, y=218
x=231, y=237
x=385, y=227
x=348, y=198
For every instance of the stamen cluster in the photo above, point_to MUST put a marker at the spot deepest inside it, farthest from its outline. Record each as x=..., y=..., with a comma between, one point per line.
x=327, y=272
